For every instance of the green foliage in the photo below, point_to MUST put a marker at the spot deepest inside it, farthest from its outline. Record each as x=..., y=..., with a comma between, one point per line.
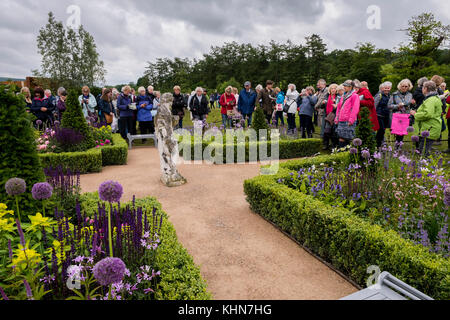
x=69, y=57
x=74, y=119
x=343, y=239
x=180, y=277
x=18, y=147
x=364, y=131
x=89, y=161
x=259, y=121
x=232, y=82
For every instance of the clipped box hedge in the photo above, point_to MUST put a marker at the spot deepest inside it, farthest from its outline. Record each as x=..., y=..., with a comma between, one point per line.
x=180, y=277
x=89, y=161
x=288, y=149
x=348, y=242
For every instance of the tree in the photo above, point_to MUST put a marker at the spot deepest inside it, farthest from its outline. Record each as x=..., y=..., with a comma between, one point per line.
x=232, y=82
x=19, y=152
x=69, y=57
x=316, y=49
x=259, y=121
x=74, y=119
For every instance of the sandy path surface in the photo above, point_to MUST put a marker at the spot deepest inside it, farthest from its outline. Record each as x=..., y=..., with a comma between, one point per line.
x=241, y=256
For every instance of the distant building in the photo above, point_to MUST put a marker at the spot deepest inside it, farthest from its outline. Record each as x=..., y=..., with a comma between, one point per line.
x=30, y=82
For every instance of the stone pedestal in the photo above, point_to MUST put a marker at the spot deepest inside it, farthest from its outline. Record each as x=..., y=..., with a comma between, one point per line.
x=167, y=146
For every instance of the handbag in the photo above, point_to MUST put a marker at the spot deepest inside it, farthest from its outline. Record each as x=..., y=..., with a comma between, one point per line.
x=400, y=124
x=230, y=113
x=279, y=107
x=109, y=118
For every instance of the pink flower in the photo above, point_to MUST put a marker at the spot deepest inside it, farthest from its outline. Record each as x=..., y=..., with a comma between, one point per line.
x=102, y=144
x=107, y=142
x=97, y=147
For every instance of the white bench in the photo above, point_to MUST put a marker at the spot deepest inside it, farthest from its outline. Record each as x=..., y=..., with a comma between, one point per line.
x=389, y=288
x=141, y=137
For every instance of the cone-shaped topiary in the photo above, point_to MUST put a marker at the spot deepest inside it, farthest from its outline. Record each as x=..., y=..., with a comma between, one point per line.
x=73, y=118
x=365, y=132
x=259, y=121
x=19, y=152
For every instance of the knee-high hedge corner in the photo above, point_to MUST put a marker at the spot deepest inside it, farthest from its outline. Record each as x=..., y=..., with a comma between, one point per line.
x=89, y=161
x=348, y=242
x=288, y=149
x=180, y=277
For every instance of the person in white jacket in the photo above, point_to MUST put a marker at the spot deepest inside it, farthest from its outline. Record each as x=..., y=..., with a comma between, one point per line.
x=291, y=102
x=88, y=102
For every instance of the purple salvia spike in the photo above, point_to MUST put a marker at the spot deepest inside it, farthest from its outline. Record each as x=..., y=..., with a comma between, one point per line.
x=4, y=296
x=22, y=237
x=10, y=250
x=28, y=289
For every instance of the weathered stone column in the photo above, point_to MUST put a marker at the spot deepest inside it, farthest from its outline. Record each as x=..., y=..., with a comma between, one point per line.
x=167, y=146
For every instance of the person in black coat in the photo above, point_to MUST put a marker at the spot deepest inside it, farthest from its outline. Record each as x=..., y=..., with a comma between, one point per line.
x=199, y=106
x=105, y=106
x=42, y=108
x=178, y=106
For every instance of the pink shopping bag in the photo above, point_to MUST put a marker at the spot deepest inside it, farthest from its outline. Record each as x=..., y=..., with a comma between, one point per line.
x=400, y=124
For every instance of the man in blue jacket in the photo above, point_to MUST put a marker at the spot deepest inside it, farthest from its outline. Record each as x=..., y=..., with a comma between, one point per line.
x=247, y=101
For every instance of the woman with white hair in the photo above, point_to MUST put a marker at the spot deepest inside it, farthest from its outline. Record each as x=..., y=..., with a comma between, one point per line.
x=291, y=105
x=402, y=101
x=418, y=95
x=144, y=112
x=199, y=105
x=124, y=104
x=382, y=99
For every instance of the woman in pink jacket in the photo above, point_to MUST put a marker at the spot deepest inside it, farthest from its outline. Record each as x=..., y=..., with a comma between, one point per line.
x=347, y=114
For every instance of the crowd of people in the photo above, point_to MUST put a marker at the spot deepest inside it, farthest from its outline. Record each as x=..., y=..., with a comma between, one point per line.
x=334, y=109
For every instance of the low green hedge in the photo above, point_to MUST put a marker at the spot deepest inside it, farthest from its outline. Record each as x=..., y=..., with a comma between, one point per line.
x=89, y=161
x=348, y=242
x=288, y=149
x=180, y=277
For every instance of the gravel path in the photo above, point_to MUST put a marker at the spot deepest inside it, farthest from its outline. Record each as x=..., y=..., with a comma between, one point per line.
x=241, y=256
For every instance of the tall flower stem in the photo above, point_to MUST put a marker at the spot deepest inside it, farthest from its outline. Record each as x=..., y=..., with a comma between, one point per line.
x=17, y=208
x=110, y=231
x=43, y=208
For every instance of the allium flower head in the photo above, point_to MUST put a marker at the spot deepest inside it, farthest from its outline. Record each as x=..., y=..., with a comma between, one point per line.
x=410, y=129
x=110, y=191
x=425, y=134
x=38, y=122
x=415, y=139
x=42, y=191
x=353, y=151
x=109, y=271
x=357, y=142
x=365, y=154
x=15, y=186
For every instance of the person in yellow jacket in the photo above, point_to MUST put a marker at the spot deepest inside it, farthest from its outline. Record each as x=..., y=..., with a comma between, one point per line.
x=428, y=118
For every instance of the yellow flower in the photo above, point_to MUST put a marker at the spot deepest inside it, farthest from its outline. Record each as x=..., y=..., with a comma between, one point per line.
x=38, y=222
x=6, y=225
x=57, y=247
x=3, y=211
x=23, y=256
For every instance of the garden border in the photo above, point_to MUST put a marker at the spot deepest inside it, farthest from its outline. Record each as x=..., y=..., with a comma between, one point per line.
x=288, y=149
x=180, y=276
x=90, y=161
x=339, y=237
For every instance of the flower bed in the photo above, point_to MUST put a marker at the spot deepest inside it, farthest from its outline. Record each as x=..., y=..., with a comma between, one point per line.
x=105, y=251
x=342, y=237
x=91, y=160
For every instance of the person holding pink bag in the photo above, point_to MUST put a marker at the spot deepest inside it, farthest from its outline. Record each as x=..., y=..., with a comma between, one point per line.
x=401, y=103
x=347, y=114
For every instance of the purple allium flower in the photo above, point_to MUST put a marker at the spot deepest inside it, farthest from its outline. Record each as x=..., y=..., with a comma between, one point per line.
x=425, y=134
x=57, y=123
x=38, y=122
x=109, y=271
x=365, y=154
x=110, y=191
x=353, y=151
x=410, y=129
x=15, y=186
x=447, y=197
x=415, y=139
x=357, y=142
x=42, y=191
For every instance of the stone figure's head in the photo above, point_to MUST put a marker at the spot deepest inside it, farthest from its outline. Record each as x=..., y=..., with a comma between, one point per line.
x=167, y=98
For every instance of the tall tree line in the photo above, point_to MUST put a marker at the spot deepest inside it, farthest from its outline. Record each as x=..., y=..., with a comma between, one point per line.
x=303, y=64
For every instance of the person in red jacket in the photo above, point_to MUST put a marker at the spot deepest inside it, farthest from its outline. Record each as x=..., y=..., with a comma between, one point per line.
x=228, y=102
x=367, y=101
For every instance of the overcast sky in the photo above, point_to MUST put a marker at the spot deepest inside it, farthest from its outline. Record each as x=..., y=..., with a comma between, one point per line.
x=130, y=33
